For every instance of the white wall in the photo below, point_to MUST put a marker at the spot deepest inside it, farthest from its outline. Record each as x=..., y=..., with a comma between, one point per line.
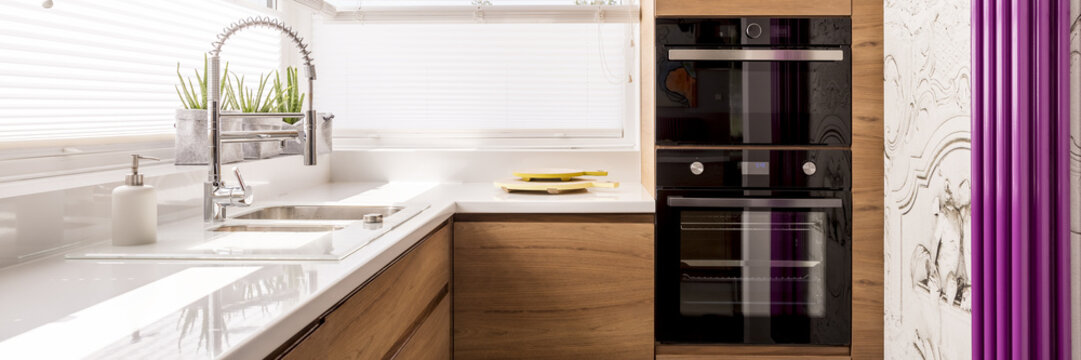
x=928, y=147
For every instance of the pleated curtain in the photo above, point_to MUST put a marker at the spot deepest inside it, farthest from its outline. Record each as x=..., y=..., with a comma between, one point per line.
x=1020, y=208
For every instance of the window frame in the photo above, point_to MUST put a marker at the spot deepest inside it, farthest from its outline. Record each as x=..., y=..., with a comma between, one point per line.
x=46, y=158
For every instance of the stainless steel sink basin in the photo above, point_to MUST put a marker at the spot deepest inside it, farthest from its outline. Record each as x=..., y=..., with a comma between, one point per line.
x=317, y=212
x=277, y=232
x=276, y=228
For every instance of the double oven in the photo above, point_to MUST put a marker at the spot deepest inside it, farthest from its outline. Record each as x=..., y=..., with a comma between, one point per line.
x=754, y=212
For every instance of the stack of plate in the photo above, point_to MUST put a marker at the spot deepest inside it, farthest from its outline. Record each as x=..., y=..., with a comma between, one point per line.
x=555, y=181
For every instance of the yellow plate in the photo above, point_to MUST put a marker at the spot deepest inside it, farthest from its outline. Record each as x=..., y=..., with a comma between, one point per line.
x=553, y=187
x=554, y=174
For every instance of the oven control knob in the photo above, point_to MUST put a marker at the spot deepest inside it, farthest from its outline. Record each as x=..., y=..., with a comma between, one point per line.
x=809, y=168
x=754, y=31
x=697, y=168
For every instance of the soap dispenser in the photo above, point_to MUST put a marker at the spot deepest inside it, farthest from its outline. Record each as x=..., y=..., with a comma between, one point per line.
x=135, y=209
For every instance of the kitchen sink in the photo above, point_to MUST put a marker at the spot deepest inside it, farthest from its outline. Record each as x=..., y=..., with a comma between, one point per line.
x=276, y=228
x=275, y=232
x=317, y=212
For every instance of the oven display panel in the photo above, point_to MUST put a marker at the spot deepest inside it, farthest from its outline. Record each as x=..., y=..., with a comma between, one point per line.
x=754, y=167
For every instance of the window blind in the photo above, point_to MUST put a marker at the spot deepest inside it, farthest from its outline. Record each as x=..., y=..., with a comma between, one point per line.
x=524, y=69
x=107, y=68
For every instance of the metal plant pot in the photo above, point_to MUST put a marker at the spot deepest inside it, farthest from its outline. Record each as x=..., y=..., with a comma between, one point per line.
x=192, y=142
x=324, y=140
x=266, y=149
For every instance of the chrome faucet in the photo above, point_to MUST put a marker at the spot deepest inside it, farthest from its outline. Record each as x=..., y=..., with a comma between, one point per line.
x=216, y=195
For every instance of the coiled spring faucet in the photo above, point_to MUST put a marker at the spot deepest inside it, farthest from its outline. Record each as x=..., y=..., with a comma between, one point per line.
x=216, y=195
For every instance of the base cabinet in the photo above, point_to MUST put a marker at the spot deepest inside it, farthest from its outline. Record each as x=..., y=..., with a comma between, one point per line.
x=402, y=313
x=431, y=341
x=524, y=287
x=553, y=287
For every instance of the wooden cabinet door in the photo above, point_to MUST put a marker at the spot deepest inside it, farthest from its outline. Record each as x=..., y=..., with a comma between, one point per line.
x=431, y=341
x=553, y=287
x=691, y=8
x=376, y=321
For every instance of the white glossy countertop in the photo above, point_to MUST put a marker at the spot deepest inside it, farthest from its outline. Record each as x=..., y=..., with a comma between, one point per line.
x=55, y=308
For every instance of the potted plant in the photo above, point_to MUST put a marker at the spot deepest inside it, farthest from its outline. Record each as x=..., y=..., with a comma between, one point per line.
x=254, y=101
x=289, y=99
x=191, y=140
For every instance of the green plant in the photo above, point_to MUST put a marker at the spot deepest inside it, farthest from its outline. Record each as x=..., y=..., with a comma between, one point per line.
x=248, y=100
x=196, y=97
x=288, y=97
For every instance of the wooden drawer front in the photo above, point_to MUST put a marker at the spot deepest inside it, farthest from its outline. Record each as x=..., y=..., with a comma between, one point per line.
x=375, y=321
x=431, y=341
x=553, y=290
x=691, y=8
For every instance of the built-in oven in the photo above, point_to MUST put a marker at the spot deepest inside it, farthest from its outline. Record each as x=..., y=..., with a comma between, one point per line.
x=754, y=81
x=754, y=246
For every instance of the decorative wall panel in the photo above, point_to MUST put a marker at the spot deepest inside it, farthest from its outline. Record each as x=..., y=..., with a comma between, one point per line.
x=927, y=158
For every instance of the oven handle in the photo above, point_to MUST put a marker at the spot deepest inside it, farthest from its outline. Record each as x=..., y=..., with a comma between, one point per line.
x=680, y=201
x=755, y=55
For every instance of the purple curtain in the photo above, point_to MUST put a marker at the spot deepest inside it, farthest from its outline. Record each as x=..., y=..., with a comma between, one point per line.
x=1020, y=207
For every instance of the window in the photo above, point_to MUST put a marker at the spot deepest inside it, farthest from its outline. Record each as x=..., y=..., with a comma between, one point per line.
x=106, y=68
x=534, y=73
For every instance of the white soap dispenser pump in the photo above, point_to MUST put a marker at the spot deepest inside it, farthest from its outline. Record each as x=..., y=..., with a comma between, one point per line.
x=135, y=209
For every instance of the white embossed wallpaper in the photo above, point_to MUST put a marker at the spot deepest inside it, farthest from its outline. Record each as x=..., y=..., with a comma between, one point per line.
x=927, y=157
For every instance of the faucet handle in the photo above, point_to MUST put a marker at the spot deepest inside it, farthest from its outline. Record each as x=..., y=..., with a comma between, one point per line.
x=247, y=194
x=240, y=178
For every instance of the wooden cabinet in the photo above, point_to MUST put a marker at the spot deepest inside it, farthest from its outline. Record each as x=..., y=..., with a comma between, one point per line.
x=431, y=341
x=403, y=312
x=867, y=188
x=690, y=8
x=553, y=287
x=525, y=287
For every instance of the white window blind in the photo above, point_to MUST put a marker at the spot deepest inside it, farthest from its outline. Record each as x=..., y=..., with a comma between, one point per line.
x=106, y=68
x=539, y=68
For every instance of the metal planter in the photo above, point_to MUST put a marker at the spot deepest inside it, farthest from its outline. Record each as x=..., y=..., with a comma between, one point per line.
x=192, y=142
x=266, y=149
x=324, y=141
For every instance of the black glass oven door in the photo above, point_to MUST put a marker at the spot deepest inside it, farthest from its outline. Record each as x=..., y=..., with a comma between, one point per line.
x=755, y=270
x=754, y=95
